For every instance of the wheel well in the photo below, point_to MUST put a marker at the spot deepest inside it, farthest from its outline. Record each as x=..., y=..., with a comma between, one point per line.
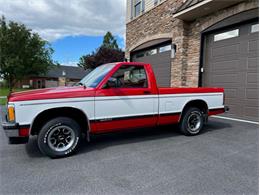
x=46, y=115
x=200, y=104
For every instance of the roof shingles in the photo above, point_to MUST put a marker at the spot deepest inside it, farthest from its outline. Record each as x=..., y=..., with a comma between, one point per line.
x=71, y=72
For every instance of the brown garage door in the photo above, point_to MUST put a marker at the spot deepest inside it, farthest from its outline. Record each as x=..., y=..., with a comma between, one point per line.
x=231, y=61
x=160, y=59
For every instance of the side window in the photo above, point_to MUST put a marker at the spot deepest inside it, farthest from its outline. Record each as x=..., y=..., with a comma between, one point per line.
x=128, y=77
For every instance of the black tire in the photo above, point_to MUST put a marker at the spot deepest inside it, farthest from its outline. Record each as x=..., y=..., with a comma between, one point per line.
x=57, y=133
x=192, y=121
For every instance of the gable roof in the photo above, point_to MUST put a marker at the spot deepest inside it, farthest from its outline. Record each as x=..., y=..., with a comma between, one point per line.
x=72, y=72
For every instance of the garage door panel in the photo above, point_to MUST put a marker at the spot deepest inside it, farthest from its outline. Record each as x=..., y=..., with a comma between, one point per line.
x=161, y=64
x=225, y=42
x=234, y=64
x=161, y=70
x=253, y=63
x=222, y=84
x=225, y=50
x=236, y=109
x=231, y=93
x=226, y=78
x=251, y=94
x=226, y=58
x=251, y=112
x=229, y=66
x=253, y=46
x=252, y=78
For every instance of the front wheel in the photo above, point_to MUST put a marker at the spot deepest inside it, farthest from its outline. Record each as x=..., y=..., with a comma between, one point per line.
x=59, y=137
x=192, y=122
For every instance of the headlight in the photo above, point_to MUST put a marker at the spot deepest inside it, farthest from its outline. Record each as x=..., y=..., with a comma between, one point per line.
x=11, y=113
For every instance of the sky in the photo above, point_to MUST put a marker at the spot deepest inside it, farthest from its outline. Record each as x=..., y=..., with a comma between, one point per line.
x=73, y=27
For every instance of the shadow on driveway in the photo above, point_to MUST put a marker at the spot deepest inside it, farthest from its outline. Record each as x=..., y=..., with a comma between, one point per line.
x=102, y=141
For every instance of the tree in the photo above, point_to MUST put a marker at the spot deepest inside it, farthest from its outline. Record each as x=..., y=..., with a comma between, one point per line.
x=103, y=55
x=108, y=52
x=22, y=53
x=109, y=41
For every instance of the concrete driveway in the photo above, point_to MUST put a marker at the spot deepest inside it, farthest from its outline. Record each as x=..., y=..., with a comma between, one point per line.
x=222, y=160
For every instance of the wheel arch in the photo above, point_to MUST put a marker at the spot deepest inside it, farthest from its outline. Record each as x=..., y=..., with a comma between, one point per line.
x=198, y=103
x=75, y=113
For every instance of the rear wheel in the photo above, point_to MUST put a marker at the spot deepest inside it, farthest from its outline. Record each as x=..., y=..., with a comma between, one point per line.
x=59, y=137
x=192, y=121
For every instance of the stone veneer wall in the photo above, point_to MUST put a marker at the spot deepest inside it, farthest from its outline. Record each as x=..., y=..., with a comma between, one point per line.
x=156, y=22
x=159, y=23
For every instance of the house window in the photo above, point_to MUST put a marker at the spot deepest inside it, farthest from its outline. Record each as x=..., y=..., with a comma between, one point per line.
x=165, y=48
x=151, y=52
x=156, y=2
x=226, y=35
x=255, y=28
x=139, y=55
x=137, y=8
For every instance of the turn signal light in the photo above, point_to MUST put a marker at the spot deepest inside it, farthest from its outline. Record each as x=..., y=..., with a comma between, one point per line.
x=11, y=113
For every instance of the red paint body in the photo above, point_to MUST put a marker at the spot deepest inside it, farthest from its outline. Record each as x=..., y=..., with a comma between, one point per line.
x=80, y=91
x=115, y=125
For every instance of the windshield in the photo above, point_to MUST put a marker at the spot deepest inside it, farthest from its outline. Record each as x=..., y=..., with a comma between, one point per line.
x=96, y=76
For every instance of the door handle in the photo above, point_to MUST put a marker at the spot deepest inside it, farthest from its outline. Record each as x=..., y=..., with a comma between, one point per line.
x=147, y=92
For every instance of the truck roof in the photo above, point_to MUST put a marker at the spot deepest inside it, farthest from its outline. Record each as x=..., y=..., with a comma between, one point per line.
x=131, y=63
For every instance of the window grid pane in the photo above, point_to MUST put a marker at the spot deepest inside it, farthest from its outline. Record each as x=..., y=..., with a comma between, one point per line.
x=137, y=9
x=165, y=48
x=255, y=28
x=226, y=35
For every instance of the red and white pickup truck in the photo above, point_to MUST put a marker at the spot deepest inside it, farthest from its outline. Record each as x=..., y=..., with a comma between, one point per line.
x=113, y=97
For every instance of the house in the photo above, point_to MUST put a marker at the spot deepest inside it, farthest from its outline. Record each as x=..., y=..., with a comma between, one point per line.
x=57, y=76
x=193, y=43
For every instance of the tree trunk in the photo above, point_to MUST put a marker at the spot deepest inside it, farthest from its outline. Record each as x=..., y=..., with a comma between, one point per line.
x=11, y=84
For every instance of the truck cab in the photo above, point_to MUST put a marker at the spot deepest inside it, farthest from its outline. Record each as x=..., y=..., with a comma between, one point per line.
x=113, y=97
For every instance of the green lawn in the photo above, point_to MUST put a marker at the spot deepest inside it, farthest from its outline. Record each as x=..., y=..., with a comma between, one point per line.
x=5, y=92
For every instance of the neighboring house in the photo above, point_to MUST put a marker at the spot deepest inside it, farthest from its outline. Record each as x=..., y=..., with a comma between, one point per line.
x=58, y=76
x=193, y=43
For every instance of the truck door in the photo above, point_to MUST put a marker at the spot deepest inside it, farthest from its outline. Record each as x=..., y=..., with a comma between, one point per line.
x=126, y=100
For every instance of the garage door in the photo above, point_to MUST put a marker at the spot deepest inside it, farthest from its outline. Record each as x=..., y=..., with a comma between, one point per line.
x=231, y=61
x=160, y=59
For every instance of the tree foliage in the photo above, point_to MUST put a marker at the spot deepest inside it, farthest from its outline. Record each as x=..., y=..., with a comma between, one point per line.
x=108, y=52
x=22, y=53
x=109, y=41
